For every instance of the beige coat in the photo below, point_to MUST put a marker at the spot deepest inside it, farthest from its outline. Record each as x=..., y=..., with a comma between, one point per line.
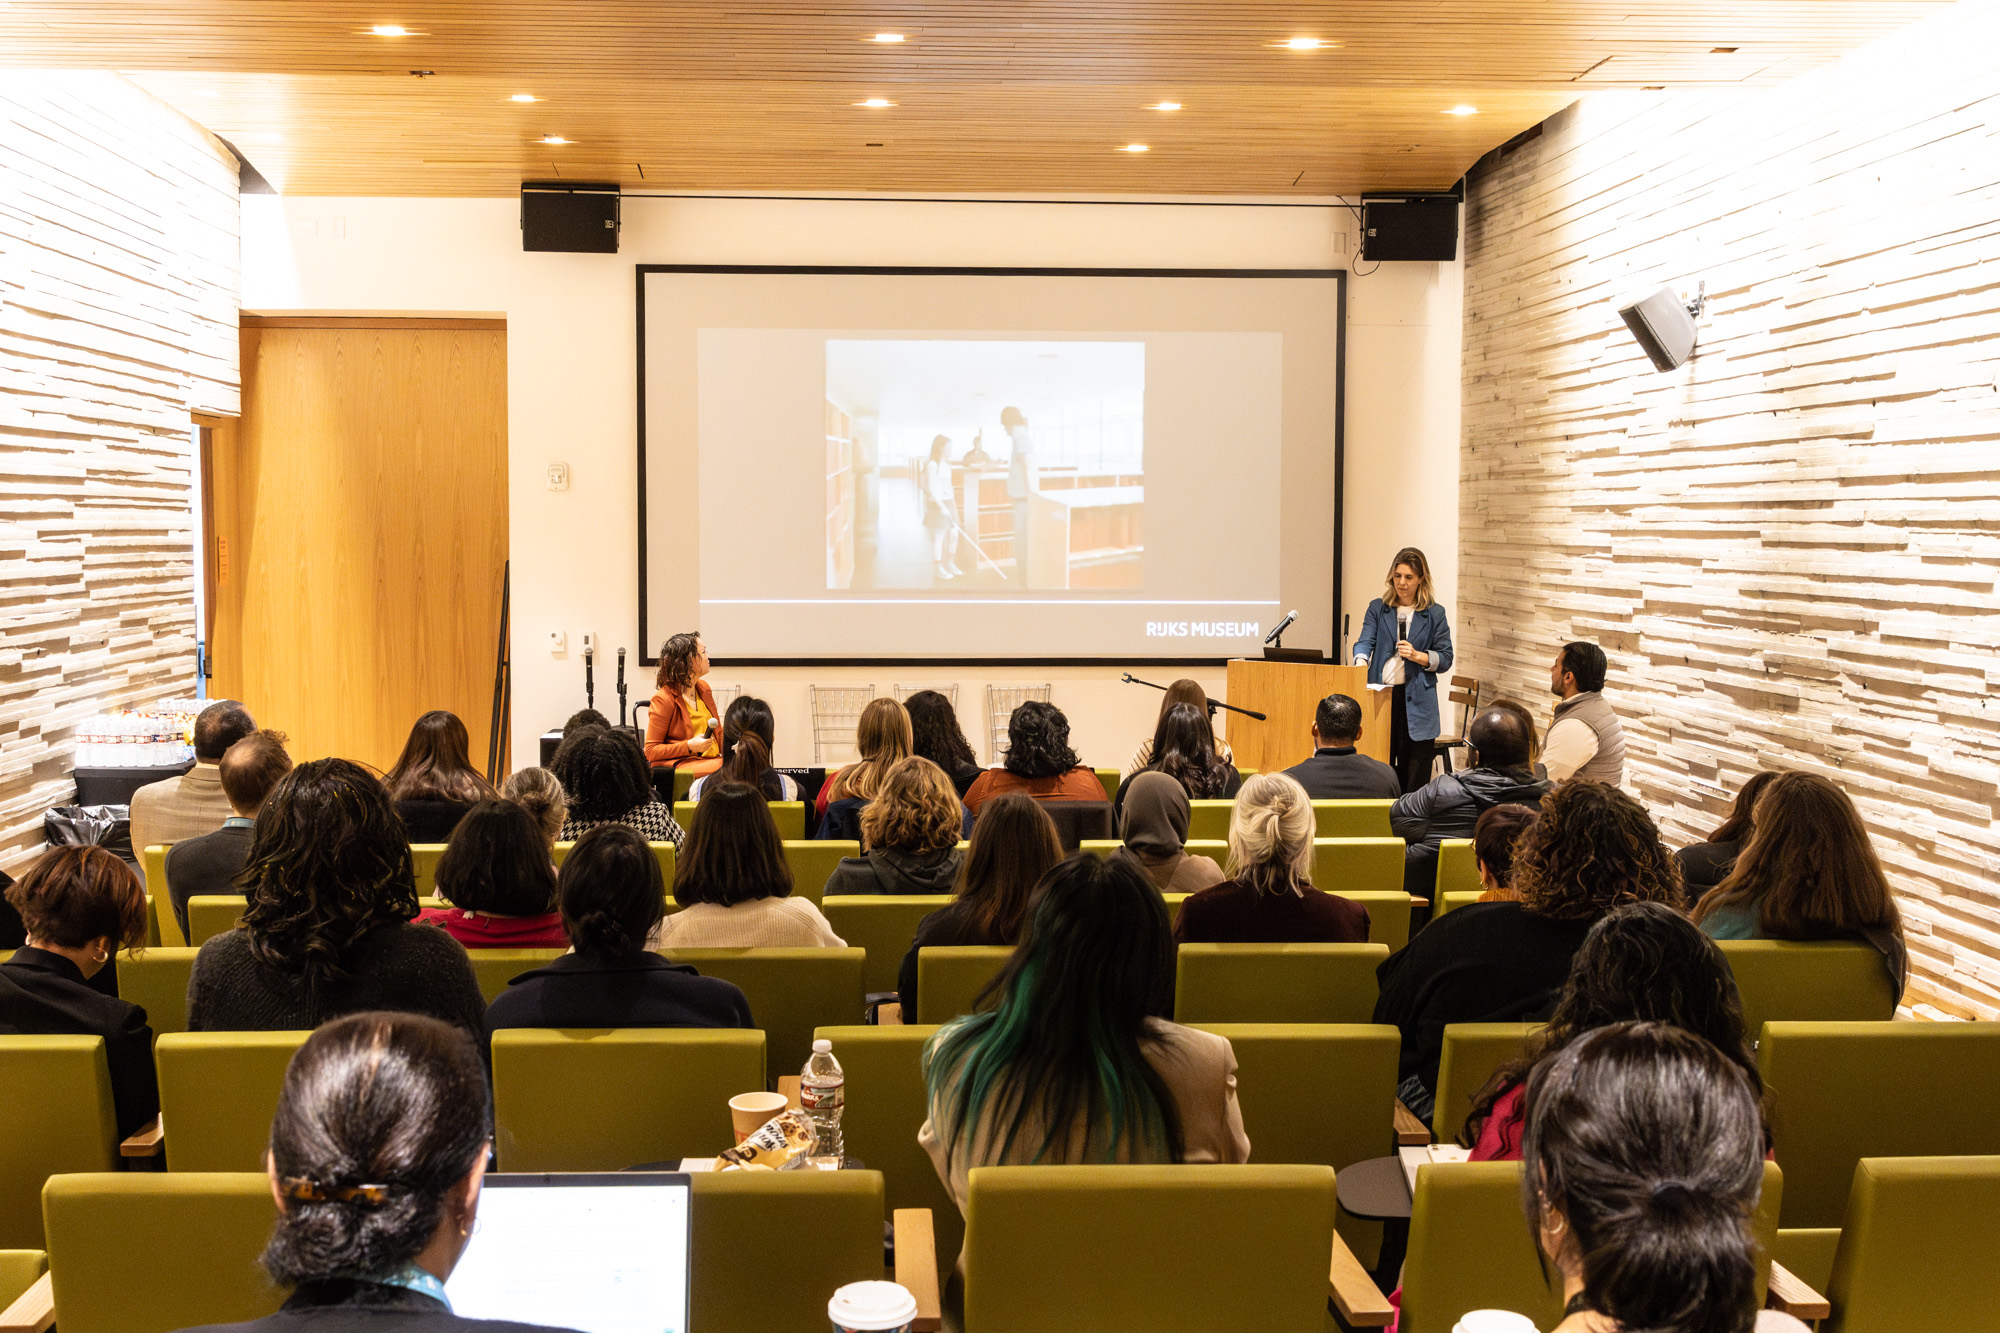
x=177, y=809
x=761, y=923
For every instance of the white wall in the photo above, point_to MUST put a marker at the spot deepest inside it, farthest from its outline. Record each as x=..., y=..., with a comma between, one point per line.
x=571, y=376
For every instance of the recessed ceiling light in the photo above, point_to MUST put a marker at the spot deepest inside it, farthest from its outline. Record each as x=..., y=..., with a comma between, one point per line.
x=1462, y=109
x=1303, y=44
x=875, y=101
x=1164, y=106
x=524, y=97
x=391, y=30
x=888, y=36
x=553, y=138
x=1136, y=148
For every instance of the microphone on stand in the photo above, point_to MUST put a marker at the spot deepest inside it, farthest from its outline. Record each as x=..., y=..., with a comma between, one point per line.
x=1346, y=624
x=1213, y=704
x=1272, y=639
x=589, y=680
x=621, y=687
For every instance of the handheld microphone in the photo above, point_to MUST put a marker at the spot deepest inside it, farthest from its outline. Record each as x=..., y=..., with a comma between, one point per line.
x=621, y=687
x=589, y=679
x=1283, y=625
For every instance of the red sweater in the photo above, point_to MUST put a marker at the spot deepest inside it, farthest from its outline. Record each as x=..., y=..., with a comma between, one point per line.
x=475, y=930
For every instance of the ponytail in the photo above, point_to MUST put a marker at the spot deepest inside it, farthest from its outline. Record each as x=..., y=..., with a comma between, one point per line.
x=749, y=763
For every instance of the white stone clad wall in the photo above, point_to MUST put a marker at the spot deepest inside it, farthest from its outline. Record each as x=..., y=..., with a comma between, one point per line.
x=1789, y=546
x=118, y=303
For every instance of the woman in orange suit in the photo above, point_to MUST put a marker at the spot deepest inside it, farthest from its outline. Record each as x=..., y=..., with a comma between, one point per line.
x=682, y=729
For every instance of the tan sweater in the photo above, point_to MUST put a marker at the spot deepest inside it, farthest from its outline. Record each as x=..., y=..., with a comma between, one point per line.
x=1199, y=1069
x=761, y=923
x=176, y=809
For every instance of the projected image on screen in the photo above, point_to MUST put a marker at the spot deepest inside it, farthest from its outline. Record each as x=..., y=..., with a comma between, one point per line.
x=993, y=466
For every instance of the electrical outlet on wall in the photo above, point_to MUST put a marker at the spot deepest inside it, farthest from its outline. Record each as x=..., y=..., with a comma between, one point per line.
x=558, y=641
x=559, y=476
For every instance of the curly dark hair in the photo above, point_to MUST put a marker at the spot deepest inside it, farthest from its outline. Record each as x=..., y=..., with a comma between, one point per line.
x=1593, y=848
x=1038, y=741
x=1184, y=749
x=604, y=772
x=329, y=862
x=677, y=662
x=935, y=732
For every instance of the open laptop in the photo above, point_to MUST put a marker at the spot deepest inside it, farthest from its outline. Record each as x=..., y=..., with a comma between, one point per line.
x=599, y=1253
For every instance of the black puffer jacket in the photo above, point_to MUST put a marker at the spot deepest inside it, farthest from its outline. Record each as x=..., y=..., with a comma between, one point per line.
x=1448, y=807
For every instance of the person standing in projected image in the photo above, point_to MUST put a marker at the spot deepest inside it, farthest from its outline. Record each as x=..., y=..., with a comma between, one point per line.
x=1406, y=643
x=940, y=508
x=1024, y=478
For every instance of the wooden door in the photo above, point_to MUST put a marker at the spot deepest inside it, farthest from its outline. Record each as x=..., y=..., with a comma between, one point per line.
x=361, y=530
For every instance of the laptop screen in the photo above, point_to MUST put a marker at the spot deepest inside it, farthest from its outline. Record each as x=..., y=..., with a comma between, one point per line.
x=598, y=1253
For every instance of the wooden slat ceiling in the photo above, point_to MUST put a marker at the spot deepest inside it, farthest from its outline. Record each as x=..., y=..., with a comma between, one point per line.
x=1036, y=96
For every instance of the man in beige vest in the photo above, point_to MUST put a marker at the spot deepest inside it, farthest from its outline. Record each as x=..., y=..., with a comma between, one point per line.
x=193, y=803
x=1585, y=740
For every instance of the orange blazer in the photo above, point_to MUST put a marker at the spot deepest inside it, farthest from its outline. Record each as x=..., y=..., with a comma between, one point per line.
x=669, y=724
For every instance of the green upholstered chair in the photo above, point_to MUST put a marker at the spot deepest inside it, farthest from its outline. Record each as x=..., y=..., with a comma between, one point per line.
x=1388, y=914
x=827, y=1225
x=790, y=816
x=1819, y=981
x=683, y=780
x=1276, y=983
x=1197, y=1249
x=1174, y=901
x=1472, y=1051
x=1351, y=819
x=425, y=856
x=883, y=924
x=1373, y=865
x=494, y=968
x=164, y=927
x=791, y=992
x=56, y=1109
x=663, y=852
x=19, y=1270
x=157, y=981
x=603, y=1099
x=886, y=1106
x=812, y=861
x=949, y=979
x=1840, y=1092
x=153, y=1252
x=1470, y=1248
x=219, y=1090
x=1458, y=868
x=212, y=914
x=1108, y=778
x=1457, y=898
x=1916, y=1252
x=23, y=1272
x=1209, y=820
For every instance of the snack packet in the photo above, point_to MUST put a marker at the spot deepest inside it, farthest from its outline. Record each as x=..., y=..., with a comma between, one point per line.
x=781, y=1144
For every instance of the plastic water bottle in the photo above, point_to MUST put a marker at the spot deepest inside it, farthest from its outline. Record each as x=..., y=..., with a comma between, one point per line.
x=822, y=1094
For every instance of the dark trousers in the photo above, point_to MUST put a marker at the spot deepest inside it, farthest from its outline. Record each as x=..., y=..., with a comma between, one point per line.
x=1411, y=759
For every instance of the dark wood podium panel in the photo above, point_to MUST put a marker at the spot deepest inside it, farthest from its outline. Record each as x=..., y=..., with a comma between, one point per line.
x=1288, y=693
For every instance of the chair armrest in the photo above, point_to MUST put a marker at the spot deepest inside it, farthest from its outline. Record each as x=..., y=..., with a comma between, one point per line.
x=1790, y=1295
x=789, y=1085
x=889, y=1013
x=916, y=1266
x=1358, y=1300
x=33, y=1311
x=1410, y=1131
x=145, y=1143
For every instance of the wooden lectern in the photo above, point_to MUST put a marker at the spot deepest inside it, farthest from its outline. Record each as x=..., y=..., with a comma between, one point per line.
x=1288, y=694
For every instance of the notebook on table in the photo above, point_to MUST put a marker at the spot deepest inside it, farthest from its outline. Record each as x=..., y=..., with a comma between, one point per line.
x=599, y=1253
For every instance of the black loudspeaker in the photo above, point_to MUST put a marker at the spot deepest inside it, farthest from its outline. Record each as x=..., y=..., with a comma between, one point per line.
x=1422, y=229
x=577, y=217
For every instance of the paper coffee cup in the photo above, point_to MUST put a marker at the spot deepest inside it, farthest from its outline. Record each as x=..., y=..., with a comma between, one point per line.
x=751, y=1111
x=1494, y=1321
x=872, y=1307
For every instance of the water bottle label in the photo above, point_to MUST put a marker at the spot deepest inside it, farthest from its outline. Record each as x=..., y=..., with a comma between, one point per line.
x=825, y=1097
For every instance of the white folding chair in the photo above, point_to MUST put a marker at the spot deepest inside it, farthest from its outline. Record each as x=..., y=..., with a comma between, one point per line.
x=836, y=711
x=1001, y=701
x=903, y=692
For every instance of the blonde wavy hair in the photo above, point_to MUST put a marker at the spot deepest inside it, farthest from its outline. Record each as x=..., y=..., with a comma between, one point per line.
x=1271, y=834
x=883, y=736
x=1419, y=566
x=917, y=811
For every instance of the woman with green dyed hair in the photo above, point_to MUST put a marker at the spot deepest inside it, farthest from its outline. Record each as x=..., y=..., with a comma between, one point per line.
x=1070, y=1059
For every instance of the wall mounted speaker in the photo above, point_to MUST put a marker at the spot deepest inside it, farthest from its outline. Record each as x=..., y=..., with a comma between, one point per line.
x=1420, y=229
x=576, y=217
x=1664, y=326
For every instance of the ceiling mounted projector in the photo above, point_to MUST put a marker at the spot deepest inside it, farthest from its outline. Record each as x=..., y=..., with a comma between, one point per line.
x=1664, y=325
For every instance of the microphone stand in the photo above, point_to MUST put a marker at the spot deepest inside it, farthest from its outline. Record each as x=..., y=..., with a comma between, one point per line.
x=589, y=679
x=621, y=687
x=1213, y=704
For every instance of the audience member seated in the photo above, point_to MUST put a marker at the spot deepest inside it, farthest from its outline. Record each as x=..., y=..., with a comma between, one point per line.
x=1184, y=750
x=1644, y=961
x=1337, y=771
x=1270, y=898
x=1584, y=739
x=1645, y=1145
x=681, y=722
x=911, y=832
x=603, y=773
x=1808, y=872
x=1706, y=864
x=1520, y=710
x=1075, y=1061
x=882, y=739
x=1039, y=761
x=1182, y=691
x=1013, y=845
x=497, y=876
x=537, y=791
x=80, y=905
x=612, y=900
x=1593, y=849
x=1449, y=806
x=193, y=803
x=433, y=784
x=581, y=718
x=210, y=863
x=733, y=885
x=748, y=737
x=1494, y=838
x=330, y=928
x=935, y=734
x=378, y=1151
x=1155, y=824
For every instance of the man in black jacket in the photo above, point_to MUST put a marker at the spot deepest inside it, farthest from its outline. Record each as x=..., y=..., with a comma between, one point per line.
x=1449, y=806
x=1337, y=771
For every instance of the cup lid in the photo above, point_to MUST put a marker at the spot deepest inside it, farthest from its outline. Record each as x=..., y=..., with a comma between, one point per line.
x=1493, y=1321
x=865, y=1305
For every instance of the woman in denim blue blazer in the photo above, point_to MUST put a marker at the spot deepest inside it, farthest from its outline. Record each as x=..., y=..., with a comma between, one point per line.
x=1422, y=652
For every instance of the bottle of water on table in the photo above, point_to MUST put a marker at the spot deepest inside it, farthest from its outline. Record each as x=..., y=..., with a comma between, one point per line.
x=822, y=1094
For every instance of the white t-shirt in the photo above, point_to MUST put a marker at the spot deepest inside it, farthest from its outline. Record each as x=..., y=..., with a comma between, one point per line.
x=1393, y=666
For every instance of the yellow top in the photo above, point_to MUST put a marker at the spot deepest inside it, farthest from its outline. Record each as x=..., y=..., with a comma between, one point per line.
x=698, y=716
